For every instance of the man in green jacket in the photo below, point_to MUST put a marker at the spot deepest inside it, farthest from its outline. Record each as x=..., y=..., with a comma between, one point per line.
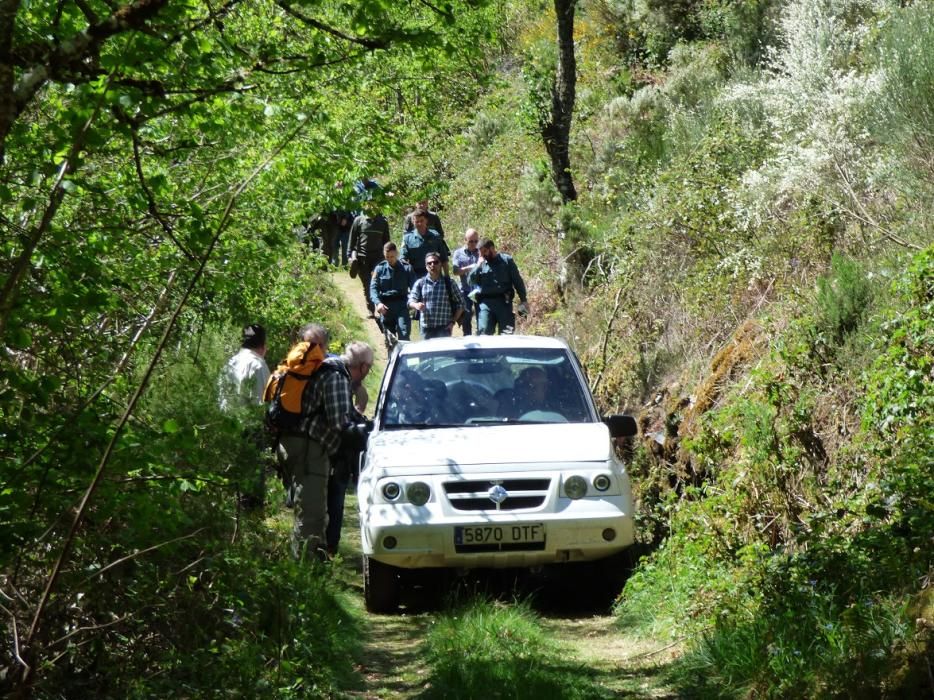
x=496, y=279
x=368, y=234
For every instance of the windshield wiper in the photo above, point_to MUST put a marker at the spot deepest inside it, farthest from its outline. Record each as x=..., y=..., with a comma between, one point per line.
x=422, y=426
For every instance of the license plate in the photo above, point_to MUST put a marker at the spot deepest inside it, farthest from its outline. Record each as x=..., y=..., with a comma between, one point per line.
x=499, y=534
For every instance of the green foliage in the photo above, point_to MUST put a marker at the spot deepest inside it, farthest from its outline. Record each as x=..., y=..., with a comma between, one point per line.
x=489, y=650
x=154, y=164
x=907, y=59
x=843, y=298
x=538, y=73
x=649, y=29
x=283, y=630
x=801, y=573
x=809, y=646
x=898, y=411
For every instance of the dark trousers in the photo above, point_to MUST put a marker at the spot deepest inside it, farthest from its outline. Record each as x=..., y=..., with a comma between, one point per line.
x=337, y=490
x=438, y=332
x=340, y=246
x=364, y=272
x=493, y=312
x=397, y=318
x=467, y=316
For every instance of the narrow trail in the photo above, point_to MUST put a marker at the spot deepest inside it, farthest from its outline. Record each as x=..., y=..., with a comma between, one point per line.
x=353, y=293
x=625, y=666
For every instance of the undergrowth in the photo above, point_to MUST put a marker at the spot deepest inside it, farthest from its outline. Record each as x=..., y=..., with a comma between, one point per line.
x=799, y=567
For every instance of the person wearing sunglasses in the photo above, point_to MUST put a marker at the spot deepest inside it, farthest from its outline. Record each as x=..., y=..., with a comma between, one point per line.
x=437, y=299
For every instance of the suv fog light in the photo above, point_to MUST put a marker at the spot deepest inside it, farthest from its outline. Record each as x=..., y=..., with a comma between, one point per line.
x=609, y=534
x=601, y=482
x=391, y=491
x=418, y=493
x=389, y=542
x=575, y=487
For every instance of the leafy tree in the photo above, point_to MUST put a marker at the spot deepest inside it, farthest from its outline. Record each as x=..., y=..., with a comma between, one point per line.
x=155, y=157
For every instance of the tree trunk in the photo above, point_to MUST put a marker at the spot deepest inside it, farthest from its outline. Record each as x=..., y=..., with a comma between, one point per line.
x=8, y=10
x=556, y=130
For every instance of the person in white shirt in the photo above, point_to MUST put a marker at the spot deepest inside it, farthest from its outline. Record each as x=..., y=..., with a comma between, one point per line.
x=242, y=383
x=246, y=373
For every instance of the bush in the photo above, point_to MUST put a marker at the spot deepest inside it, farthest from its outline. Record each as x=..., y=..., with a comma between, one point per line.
x=811, y=555
x=843, y=298
x=906, y=55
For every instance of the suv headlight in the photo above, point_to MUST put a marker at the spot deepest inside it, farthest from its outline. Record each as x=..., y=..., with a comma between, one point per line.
x=575, y=487
x=418, y=493
x=391, y=490
x=601, y=482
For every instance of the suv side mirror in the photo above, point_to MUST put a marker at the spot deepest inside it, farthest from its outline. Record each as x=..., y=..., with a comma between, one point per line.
x=621, y=425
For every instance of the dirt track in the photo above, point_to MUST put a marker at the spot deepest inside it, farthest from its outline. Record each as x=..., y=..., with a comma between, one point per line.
x=353, y=293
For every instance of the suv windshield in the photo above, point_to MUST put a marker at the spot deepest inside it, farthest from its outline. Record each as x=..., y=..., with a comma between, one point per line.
x=483, y=386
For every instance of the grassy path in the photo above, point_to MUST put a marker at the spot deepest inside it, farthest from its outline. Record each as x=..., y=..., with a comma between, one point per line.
x=353, y=293
x=393, y=667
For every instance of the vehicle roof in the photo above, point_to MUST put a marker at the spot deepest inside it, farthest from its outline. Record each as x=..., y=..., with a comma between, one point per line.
x=482, y=341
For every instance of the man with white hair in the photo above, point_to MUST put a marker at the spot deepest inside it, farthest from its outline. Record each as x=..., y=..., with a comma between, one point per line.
x=306, y=454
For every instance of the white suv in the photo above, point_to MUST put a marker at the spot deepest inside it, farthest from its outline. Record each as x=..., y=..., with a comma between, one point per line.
x=488, y=451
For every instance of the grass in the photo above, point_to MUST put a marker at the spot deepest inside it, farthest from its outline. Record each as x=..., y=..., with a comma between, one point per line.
x=493, y=650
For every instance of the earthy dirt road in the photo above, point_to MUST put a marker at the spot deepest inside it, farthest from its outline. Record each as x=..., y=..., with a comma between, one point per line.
x=353, y=293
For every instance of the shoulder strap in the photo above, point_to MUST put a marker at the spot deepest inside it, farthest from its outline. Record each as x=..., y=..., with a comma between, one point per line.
x=447, y=286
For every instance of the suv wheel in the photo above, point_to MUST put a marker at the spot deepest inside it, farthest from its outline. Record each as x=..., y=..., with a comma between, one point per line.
x=380, y=586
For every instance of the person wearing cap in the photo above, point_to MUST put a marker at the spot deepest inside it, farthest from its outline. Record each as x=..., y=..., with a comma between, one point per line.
x=389, y=292
x=437, y=300
x=246, y=373
x=416, y=244
x=241, y=385
x=496, y=279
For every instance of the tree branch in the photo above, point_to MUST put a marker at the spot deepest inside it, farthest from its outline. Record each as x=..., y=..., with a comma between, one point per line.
x=434, y=8
x=22, y=265
x=45, y=60
x=8, y=10
x=89, y=13
x=150, y=198
x=372, y=44
x=606, y=340
x=134, y=555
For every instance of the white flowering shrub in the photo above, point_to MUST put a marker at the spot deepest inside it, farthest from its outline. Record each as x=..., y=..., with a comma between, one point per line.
x=817, y=99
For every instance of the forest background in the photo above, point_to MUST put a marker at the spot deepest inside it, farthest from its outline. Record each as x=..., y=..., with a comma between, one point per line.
x=747, y=266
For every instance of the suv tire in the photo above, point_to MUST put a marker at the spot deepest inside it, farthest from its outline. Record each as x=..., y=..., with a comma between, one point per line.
x=380, y=586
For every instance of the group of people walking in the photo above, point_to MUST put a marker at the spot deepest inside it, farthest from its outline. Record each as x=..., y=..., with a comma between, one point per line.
x=317, y=458
x=415, y=279
x=318, y=453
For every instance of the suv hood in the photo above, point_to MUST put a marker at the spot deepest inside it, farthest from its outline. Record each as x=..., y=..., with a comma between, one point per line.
x=490, y=444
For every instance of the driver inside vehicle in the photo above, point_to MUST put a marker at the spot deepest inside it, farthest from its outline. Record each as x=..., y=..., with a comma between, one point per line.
x=530, y=391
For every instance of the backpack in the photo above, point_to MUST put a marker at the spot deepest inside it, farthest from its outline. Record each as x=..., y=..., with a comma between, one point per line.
x=286, y=388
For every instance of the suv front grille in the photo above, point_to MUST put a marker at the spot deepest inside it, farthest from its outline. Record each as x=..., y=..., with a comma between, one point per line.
x=474, y=495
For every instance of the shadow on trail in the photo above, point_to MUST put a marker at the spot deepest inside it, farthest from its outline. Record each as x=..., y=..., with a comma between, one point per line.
x=565, y=591
x=393, y=666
